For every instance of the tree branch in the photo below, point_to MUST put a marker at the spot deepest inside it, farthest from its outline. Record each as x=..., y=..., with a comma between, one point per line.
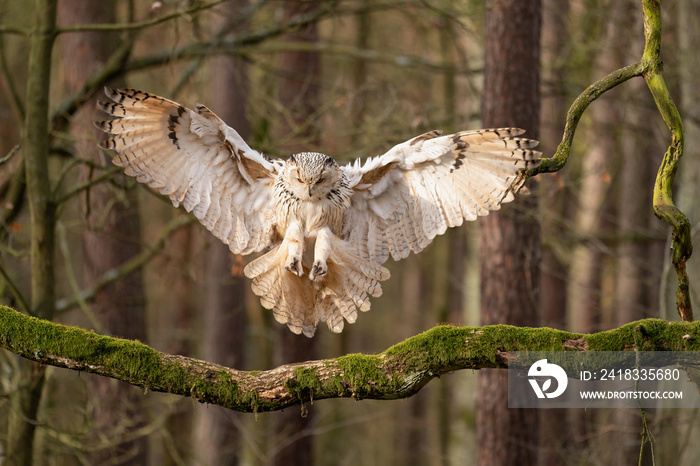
x=197, y=8
x=131, y=265
x=13, y=151
x=372, y=55
x=111, y=68
x=23, y=304
x=13, y=201
x=398, y=372
x=650, y=67
x=664, y=207
x=577, y=109
x=105, y=175
x=231, y=45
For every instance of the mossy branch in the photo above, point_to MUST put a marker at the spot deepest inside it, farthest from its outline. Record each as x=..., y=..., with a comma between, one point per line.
x=650, y=67
x=398, y=372
x=578, y=108
x=664, y=207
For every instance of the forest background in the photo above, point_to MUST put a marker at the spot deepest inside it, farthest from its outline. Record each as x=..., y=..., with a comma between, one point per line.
x=348, y=78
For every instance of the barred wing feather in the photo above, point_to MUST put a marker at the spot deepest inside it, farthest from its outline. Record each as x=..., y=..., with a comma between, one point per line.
x=414, y=192
x=196, y=160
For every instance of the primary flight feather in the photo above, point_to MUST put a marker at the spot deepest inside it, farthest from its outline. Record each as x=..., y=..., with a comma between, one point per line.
x=328, y=228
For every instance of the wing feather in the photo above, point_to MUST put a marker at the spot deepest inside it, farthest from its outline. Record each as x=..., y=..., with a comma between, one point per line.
x=419, y=188
x=196, y=160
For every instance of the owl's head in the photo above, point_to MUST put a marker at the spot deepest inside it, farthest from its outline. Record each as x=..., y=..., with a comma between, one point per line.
x=311, y=176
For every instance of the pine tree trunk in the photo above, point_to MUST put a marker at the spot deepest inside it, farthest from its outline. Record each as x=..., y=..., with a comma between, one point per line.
x=555, y=433
x=674, y=432
x=299, y=95
x=225, y=322
x=111, y=238
x=509, y=240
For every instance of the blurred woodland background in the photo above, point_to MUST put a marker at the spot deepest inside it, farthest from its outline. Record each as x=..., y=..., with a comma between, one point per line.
x=349, y=78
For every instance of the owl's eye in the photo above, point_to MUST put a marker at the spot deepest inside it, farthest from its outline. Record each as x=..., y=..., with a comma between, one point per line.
x=320, y=180
x=300, y=180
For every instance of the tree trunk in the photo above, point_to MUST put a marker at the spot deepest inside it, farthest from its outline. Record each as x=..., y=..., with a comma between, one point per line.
x=111, y=238
x=171, y=327
x=299, y=95
x=689, y=189
x=453, y=309
x=555, y=433
x=410, y=443
x=554, y=200
x=674, y=432
x=638, y=257
x=29, y=381
x=225, y=322
x=509, y=240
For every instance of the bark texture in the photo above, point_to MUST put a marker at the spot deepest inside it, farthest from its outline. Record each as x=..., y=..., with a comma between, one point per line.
x=509, y=242
x=224, y=319
x=110, y=238
x=29, y=382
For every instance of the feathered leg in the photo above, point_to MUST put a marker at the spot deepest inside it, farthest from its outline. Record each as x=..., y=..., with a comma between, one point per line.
x=338, y=286
x=294, y=242
x=322, y=250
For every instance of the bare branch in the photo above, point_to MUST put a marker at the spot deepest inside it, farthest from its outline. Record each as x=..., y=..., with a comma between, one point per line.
x=197, y=8
x=5, y=29
x=126, y=268
x=118, y=65
x=73, y=279
x=398, y=372
x=10, y=80
x=107, y=174
x=111, y=68
x=15, y=190
x=12, y=152
x=231, y=45
x=354, y=52
x=23, y=304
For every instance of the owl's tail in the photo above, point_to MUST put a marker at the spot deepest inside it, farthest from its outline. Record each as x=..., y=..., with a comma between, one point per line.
x=334, y=297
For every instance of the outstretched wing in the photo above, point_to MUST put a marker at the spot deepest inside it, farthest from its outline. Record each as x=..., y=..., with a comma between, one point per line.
x=196, y=160
x=406, y=197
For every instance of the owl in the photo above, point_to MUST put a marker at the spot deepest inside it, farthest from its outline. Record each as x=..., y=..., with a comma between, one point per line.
x=326, y=228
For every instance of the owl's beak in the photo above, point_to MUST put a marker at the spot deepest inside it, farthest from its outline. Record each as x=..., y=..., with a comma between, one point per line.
x=309, y=191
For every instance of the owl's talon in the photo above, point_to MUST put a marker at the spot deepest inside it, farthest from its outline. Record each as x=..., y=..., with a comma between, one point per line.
x=319, y=269
x=294, y=266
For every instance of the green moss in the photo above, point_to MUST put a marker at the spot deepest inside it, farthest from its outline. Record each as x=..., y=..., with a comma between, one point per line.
x=367, y=366
x=398, y=372
x=443, y=347
x=648, y=335
x=221, y=389
x=304, y=383
x=434, y=346
x=358, y=376
x=364, y=374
